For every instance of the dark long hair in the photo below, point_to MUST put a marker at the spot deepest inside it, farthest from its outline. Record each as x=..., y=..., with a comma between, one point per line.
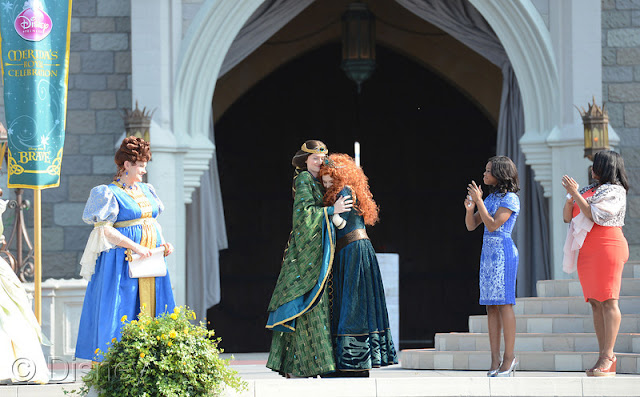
x=505, y=171
x=609, y=168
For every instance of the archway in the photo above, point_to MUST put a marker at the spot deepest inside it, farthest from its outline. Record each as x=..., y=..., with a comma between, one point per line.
x=517, y=24
x=418, y=176
x=534, y=66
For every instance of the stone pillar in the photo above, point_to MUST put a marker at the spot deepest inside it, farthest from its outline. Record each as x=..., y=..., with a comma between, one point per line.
x=621, y=93
x=155, y=40
x=577, y=50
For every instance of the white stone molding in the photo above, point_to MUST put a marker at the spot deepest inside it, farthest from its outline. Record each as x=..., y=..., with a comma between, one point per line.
x=527, y=42
x=217, y=22
x=61, y=309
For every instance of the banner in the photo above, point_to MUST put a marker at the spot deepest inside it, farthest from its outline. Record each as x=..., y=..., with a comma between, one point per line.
x=35, y=62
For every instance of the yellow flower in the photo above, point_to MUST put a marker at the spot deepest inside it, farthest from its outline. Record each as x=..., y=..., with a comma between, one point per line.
x=144, y=306
x=141, y=355
x=123, y=319
x=141, y=327
x=163, y=336
x=158, y=337
x=174, y=316
x=97, y=351
x=169, y=343
x=176, y=310
x=193, y=315
x=113, y=340
x=172, y=334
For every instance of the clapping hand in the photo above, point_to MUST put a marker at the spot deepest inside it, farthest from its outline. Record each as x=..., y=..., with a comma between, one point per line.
x=469, y=204
x=475, y=192
x=570, y=185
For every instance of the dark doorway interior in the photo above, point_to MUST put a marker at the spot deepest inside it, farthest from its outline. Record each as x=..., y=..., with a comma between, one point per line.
x=422, y=142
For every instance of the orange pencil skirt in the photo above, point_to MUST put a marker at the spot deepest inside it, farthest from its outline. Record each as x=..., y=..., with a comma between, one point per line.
x=600, y=262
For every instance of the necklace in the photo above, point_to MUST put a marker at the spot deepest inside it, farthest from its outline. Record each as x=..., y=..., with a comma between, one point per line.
x=124, y=186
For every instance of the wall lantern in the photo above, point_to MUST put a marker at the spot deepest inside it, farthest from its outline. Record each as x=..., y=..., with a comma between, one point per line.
x=596, y=131
x=358, y=43
x=138, y=122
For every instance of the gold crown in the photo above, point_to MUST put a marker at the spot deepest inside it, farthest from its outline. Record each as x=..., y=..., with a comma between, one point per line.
x=319, y=150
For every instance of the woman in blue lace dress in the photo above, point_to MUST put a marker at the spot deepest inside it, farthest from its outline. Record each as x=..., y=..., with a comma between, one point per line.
x=499, y=258
x=123, y=215
x=359, y=319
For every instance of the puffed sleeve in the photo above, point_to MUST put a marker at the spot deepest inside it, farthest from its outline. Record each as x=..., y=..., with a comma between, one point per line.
x=155, y=196
x=511, y=202
x=101, y=211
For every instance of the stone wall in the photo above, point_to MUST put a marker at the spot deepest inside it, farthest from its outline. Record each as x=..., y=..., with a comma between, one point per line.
x=99, y=87
x=621, y=94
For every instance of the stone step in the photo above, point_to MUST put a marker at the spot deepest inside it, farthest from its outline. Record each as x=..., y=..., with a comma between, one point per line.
x=556, y=323
x=553, y=288
x=631, y=270
x=569, y=305
x=571, y=342
x=628, y=363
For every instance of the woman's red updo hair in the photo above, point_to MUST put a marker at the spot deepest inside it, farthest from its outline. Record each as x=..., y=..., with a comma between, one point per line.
x=132, y=149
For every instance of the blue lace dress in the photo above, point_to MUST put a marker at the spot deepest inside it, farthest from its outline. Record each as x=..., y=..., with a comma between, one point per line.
x=359, y=319
x=499, y=258
x=111, y=293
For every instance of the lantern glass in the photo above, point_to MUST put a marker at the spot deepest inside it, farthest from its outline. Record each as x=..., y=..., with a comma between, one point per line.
x=587, y=137
x=358, y=43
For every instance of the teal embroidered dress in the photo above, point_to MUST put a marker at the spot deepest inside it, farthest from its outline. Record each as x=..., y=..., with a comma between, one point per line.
x=360, y=322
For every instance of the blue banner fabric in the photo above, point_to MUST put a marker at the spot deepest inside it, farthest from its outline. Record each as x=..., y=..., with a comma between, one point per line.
x=35, y=63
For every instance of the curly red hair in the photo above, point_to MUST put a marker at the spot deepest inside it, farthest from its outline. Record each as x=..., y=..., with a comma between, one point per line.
x=344, y=172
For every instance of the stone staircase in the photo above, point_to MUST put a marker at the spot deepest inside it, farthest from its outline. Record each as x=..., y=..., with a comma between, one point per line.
x=554, y=333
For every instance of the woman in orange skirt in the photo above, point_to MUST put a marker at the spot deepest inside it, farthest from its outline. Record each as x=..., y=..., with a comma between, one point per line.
x=595, y=244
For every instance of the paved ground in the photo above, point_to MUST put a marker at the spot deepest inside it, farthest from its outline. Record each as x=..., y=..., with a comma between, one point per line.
x=390, y=381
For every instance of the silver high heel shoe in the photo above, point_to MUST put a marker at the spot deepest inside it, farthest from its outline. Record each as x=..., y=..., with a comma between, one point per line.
x=511, y=371
x=492, y=372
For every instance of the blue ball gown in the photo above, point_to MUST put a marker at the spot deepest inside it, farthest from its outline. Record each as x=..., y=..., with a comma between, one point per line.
x=111, y=293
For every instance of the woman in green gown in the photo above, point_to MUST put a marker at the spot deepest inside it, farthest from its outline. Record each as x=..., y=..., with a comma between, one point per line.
x=299, y=308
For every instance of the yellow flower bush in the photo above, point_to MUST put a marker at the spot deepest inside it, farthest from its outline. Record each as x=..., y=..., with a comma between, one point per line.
x=142, y=364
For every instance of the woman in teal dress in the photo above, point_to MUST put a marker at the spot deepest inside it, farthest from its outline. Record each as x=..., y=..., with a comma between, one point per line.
x=359, y=318
x=124, y=217
x=299, y=307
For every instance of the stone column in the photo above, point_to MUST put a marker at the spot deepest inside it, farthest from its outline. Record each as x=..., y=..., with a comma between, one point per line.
x=155, y=39
x=576, y=41
x=621, y=93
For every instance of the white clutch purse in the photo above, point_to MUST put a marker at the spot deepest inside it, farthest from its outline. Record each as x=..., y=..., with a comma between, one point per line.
x=151, y=266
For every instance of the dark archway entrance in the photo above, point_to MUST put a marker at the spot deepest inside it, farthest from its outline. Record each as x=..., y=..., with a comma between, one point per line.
x=422, y=142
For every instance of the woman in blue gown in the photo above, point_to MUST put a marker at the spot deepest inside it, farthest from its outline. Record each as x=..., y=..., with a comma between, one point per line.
x=359, y=318
x=124, y=217
x=499, y=258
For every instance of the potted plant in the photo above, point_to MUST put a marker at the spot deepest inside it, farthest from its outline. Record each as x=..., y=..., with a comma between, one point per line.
x=165, y=356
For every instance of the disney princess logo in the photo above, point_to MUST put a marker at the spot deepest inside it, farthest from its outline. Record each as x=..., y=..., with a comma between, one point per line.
x=33, y=23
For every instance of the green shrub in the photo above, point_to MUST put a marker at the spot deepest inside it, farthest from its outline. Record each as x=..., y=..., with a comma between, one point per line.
x=166, y=356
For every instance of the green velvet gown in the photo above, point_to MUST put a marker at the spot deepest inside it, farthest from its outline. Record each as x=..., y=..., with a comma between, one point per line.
x=299, y=309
